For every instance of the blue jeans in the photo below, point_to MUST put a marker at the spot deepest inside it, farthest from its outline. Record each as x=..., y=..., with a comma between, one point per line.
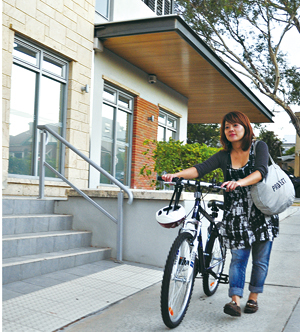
x=261, y=252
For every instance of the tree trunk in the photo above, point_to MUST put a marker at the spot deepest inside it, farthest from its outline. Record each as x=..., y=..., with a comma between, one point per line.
x=297, y=23
x=295, y=120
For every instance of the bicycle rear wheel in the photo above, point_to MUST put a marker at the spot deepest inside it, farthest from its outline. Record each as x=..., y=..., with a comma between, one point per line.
x=178, y=281
x=214, y=262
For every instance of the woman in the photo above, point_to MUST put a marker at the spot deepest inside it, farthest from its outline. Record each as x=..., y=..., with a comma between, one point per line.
x=244, y=227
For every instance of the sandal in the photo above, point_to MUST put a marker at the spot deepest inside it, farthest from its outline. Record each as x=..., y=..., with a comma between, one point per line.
x=232, y=309
x=251, y=307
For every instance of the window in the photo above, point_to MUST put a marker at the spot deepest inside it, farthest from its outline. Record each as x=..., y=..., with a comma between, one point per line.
x=117, y=120
x=160, y=7
x=102, y=7
x=167, y=126
x=38, y=96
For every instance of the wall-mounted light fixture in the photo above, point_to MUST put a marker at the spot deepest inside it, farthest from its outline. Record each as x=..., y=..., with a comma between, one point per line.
x=152, y=78
x=85, y=88
x=151, y=118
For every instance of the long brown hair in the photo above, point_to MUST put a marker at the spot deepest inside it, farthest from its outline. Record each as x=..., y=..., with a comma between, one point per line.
x=242, y=119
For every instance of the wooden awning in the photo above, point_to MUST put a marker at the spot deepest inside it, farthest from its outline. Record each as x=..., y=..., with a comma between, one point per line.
x=167, y=47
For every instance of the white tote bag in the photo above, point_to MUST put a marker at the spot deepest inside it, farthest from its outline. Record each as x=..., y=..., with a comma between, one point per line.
x=275, y=193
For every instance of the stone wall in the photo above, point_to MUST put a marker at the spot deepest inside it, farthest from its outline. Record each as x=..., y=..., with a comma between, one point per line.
x=66, y=27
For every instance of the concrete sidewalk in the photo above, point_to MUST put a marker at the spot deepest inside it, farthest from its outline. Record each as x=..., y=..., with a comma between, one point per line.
x=279, y=305
x=126, y=297
x=52, y=301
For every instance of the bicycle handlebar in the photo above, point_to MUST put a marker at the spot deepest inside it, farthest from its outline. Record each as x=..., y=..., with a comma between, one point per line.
x=192, y=183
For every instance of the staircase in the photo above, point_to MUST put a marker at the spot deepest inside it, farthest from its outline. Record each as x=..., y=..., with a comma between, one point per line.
x=35, y=241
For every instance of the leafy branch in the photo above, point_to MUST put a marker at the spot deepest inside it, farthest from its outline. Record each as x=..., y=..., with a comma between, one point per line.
x=248, y=36
x=174, y=156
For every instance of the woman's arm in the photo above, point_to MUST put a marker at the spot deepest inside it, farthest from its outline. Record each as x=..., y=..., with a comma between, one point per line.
x=261, y=158
x=199, y=170
x=189, y=173
x=253, y=178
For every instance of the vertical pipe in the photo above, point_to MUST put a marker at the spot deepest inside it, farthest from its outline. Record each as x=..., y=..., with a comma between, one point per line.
x=120, y=227
x=42, y=166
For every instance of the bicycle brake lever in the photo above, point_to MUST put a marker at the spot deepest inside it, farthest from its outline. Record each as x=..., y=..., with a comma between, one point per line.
x=177, y=180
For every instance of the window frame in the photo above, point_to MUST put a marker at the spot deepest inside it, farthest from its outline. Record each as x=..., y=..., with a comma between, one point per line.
x=130, y=110
x=165, y=125
x=108, y=10
x=40, y=73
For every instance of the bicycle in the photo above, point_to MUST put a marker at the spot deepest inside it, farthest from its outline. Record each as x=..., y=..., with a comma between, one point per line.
x=187, y=257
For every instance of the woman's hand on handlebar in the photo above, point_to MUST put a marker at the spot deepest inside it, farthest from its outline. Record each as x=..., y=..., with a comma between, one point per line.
x=230, y=185
x=168, y=177
x=188, y=174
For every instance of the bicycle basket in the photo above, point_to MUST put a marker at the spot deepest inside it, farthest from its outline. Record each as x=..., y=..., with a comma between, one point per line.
x=169, y=217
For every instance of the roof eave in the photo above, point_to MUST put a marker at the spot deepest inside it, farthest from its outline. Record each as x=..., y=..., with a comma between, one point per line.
x=176, y=23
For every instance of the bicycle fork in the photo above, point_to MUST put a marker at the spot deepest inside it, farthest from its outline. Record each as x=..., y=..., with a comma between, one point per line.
x=194, y=247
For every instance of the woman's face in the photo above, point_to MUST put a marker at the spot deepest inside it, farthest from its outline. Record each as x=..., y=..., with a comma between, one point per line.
x=234, y=132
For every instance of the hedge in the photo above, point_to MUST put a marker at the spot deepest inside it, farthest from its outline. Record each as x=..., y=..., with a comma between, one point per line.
x=173, y=156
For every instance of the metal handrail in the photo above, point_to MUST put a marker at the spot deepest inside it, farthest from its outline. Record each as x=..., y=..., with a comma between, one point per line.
x=119, y=220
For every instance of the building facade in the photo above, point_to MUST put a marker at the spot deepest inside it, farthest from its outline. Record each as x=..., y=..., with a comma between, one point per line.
x=106, y=75
x=47, y=55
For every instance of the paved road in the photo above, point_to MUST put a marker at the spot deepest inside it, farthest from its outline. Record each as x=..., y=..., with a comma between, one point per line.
x=279, y=307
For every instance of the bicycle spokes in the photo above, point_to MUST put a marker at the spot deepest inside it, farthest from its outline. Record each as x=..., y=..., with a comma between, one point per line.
x=178, y=281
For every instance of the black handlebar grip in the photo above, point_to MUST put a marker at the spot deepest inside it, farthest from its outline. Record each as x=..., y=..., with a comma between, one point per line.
x=159, y=178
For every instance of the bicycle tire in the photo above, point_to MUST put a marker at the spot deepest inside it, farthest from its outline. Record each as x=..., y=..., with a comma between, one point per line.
x=175, y=291
x=215, y=253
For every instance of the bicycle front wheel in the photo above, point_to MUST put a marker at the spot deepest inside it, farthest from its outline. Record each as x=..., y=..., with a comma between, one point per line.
x=214, y=264
x=178, y=281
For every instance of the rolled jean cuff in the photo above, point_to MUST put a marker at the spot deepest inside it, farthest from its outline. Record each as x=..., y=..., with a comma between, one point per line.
x=235, y=291
x=254, y=289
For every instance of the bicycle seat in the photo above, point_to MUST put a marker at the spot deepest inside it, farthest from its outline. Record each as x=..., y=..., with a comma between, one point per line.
x=214, y=203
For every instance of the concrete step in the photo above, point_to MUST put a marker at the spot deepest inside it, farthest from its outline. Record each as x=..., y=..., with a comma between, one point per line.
x=43, y=242
x=35, y=241
x=19, y=268
x=19, y=206
x=18, y=224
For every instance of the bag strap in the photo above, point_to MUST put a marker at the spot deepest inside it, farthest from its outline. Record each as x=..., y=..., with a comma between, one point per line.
x=254, y=147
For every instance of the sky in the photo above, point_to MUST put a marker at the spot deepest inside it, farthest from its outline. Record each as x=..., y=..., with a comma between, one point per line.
x=282, y=125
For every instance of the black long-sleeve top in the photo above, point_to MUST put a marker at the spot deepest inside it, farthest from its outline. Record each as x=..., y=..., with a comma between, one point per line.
x=221, y=159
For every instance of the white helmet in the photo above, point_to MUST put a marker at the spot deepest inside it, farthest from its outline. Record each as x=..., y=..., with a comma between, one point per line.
x=169, y=218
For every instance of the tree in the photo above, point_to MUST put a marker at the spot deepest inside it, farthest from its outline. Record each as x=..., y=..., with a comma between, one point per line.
x=273, y=142
x=248, y=35
x=208, y=134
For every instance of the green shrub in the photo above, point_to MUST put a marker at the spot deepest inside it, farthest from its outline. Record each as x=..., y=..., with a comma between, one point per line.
x=289, y=151
x=173, y=156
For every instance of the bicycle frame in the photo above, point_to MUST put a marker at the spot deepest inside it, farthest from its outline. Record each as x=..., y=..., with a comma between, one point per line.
x=198, y=250
x=189, y=255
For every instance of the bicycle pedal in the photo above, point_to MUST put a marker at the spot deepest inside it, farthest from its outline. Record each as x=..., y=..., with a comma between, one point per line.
x=224, y=279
